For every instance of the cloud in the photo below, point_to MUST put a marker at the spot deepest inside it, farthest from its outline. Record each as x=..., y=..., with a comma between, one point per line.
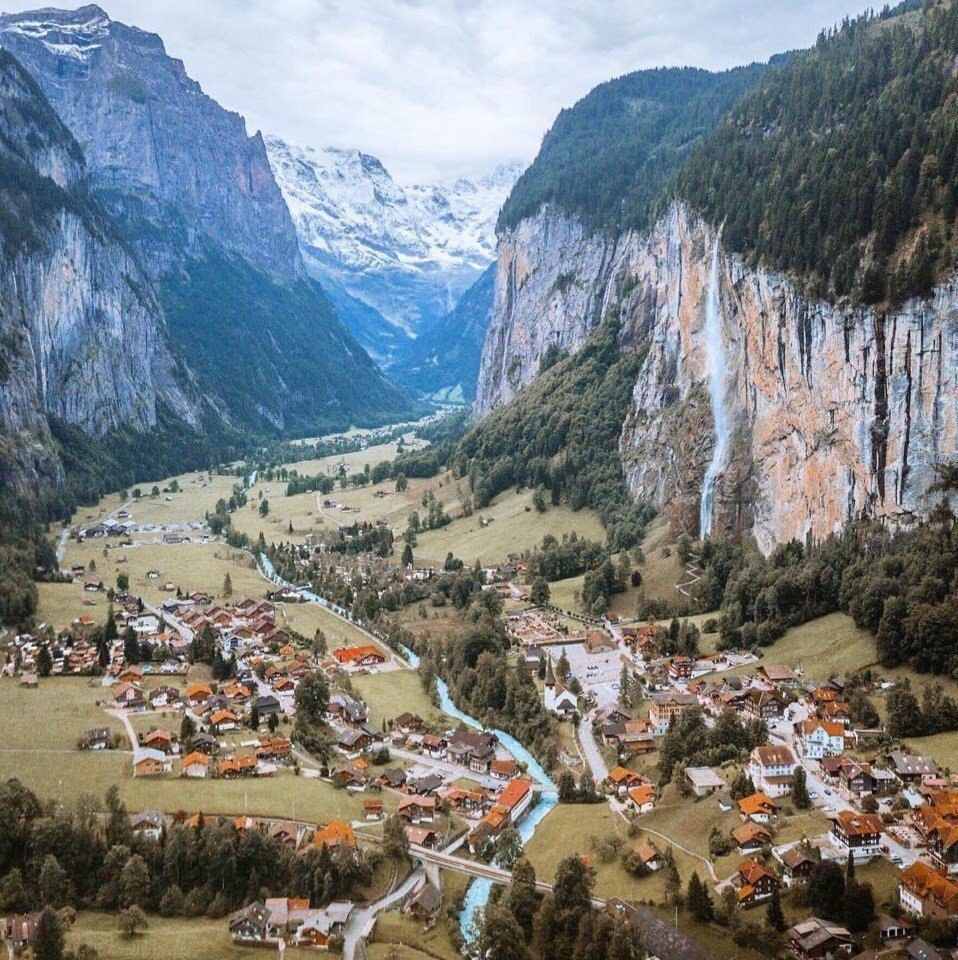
x=441, y=87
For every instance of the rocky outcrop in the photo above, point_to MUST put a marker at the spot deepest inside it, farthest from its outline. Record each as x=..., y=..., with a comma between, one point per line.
x=165, y=157
x=83, y=338
x=834, y=412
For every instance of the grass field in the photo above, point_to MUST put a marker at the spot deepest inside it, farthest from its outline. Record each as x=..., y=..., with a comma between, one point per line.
x=516, y=526
x=389, y=694
x=171, y=939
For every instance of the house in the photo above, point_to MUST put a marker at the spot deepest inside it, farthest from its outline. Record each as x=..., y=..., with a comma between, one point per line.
x=642, y=798
x=667, y=706
x=223, y=720
x=424, y=903
x=704, y=781
x=417, y=809
x=649, y=856
x=771, y=769
x=681, y=668
x=373, y=809
x=821, y=738
x=359, y=657
x=422, y=786
x=621, y=780
x=151, y=763
x=758, y=807
x=515, y=799
x=321, y=925
x=924, y=893
x=598, y=641
x=252, y=924
x=286, y=913
x=335, y=834
x=18, y=930
x=434, y=746
x=763, y=704
x=149, y=824
x=814, y=939
x=753, y=883
x=472, y=749
x=408, y=723
x=345, y=708
x=161, y=740
x=502, y=769
x=856, y=778
x=911, y=769
x=129, y=696
x=776, y=674
x=857, y=833
x=198, y=692
x=751, y=837
x=195, y=764
x=267, y=705
x=96, y=739
x=796, y=865
x=394, y=777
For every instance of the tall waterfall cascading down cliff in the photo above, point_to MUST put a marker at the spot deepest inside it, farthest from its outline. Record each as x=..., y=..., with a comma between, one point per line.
x=716, y=363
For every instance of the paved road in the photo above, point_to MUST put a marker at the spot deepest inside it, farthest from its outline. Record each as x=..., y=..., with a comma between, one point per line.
x=360, y=924
x=591, y=751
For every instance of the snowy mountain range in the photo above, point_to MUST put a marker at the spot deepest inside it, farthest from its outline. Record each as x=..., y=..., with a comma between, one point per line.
x=395, y=259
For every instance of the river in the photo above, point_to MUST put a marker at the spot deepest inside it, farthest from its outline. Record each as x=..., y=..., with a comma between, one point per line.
x=478, y=893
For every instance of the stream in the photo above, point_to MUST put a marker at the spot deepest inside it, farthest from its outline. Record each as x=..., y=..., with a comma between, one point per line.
x=478, y=893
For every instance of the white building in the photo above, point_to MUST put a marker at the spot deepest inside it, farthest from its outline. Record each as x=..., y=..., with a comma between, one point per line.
x=771, y=769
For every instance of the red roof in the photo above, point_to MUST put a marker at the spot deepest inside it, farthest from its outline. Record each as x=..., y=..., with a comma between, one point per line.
x=513, y=793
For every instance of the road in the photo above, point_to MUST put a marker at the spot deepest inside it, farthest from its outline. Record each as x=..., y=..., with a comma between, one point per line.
x=590, y=749
x=361, y=923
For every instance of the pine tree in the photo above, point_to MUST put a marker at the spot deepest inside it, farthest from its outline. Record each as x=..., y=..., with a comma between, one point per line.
x=800, y=796
x=775, y=917
x=699, y=900
x=227, y=586
x=48, y=936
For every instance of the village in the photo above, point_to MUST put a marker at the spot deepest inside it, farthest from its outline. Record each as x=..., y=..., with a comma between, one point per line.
x=197, y=690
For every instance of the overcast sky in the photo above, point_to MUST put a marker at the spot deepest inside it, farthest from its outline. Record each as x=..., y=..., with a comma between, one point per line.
x=436, y=88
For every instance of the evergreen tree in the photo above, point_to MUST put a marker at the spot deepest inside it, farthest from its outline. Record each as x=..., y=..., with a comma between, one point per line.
x=44, y=661
x=566, y=787
x=227, y=586
x=48, y=937
x=775, y=917
x=699, y=900
x=800, y=796
x=540, y=594
x=826, y=890
x=407, y=557
x=521, y=896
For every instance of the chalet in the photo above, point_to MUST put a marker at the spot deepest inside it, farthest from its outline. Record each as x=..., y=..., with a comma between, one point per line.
x=558, y=699
x=938, y=820
x=815, y=939
x=161, y=740
x=771, y=769
x=203, y=743
x=408, y=723
x=241, y=765
x=198, y=692
x=751, y=837
x=373, y=808
x=857, y=833
x=359, y=657
x=434, y=746
x=394, y=777
x=346, y=709
x=649, y=856
x=776, y=674
x=667, y=706
x=267, y=705
x=924, y=893
x=223, y=720
x=598, y=641
x=472, y=749
x=351, y=742
x=504, y=769
x=129, y=696
x=321, y=925
x=417, y=809
x=892, y=928
x=516, y=798
x=163, y=698
x=758, y=807
x=150, y=763
x=621, y=780
x=911, y=769
x=763, y=705
x=837, y=711
x=252, y=924
x=423, y=836
x=754, y=884
x=335, y=834
x=681, y=668
x=195, y=765
x=642, y=798
x=96, y=739
x=273, y=748
x=796, y=865
x=856, y=778
x=704, y=781
x=821, y=738
x=424, y=903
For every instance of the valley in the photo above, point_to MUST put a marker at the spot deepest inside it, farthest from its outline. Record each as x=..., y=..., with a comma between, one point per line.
x=445, y=556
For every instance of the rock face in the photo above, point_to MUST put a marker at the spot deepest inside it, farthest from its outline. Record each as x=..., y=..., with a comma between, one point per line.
x=83, y=337
x=834, y=413
x=194, y=197
x=406, y=253
x=160, y=151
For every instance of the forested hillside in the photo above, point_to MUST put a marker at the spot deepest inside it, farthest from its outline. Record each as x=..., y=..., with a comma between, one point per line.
x=842, y=168
x=608, y=158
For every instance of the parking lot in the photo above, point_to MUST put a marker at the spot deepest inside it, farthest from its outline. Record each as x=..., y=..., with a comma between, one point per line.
x=597, y=672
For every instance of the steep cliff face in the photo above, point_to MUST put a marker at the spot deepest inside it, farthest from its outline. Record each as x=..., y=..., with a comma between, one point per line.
x=82, y=335
x=194, y=197
x=833, y=413
x=163, y=154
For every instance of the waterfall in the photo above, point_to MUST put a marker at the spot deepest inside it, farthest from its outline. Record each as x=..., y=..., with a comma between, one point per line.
x=716, y=361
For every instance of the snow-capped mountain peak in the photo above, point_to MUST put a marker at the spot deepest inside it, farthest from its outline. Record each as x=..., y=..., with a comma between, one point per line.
x=408, y=252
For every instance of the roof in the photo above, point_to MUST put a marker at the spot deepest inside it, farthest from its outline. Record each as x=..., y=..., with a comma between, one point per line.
x=642, y=795
x=859, y=824
x=196, y=757
x=750, y=832
x=757, y=802
x=704, y=777
x=772, y=756
x=778, y=673
x=623, y=775
x=923, y=950
x=513, y=793
x=354, y=654
x=912, y=765
x=335, y=834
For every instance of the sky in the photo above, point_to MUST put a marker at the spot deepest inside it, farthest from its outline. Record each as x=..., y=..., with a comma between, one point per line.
x=442, y=88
